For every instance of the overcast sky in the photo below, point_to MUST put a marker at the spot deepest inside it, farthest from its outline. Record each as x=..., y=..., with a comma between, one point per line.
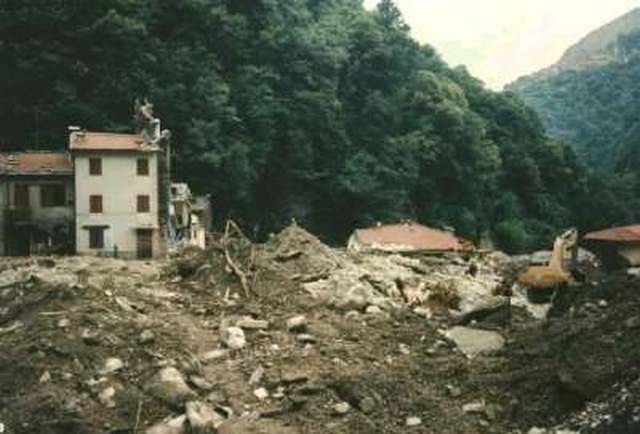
x=500, y=40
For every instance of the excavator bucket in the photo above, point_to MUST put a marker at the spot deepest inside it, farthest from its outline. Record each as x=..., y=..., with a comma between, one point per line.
x=544, y=277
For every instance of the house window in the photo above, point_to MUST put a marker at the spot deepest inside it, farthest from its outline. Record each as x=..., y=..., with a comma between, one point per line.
x=52, y=195
x=142, y=166
x=95, y=204
x=96, y=238
x=21, y=196
x=143, y=204
x=95, y=166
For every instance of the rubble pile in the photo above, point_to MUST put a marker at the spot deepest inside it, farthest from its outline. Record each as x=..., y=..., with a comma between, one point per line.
x=323, y=342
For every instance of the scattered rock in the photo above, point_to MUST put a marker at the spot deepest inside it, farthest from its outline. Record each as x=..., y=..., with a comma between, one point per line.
x=473, y=342
x=536, y=430
x=261, y=393
x=107, y=396
x=423, y=312
x=202, y=418
x=633, y=322
x=146, y=337
x=453, y=391
x=214, y=355
x=476, y=407
x=296, y=324
x=91, y=337
x=168, y=384
x=603, y=304
x=252, y=324
x=177, y=425
x=233, y=338
x=64, y=323
x=355, y=394
x=374, y=310
x=341, y=408
x=112, y=365
x=294, y=377
x=356, y=298
x=260, y=426
x=45, y=377
x=305, y=338
x=413, y=421
x=257, y=375
x=200, y=383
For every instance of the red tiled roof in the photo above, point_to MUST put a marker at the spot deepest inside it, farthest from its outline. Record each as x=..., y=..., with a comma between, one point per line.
x=84, y=140
x=408, y=236
x=625, y=233
x=36, y=163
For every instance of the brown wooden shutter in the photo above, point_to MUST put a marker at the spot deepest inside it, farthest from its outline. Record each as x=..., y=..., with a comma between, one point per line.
x=95, y=166
x=143, y=166
x=21, y=196
x=95, y=204
x=143, y=204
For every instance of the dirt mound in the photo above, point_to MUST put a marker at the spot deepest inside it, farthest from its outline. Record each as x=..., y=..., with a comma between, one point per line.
x=297, y=253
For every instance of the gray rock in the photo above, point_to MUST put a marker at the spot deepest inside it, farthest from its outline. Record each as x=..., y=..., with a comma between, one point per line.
x=453, y=391
x=177, y=425
x=633, y=322
x=341, y=408
x=305, y=338
x=253, y=324
x=112, y=365
x=146, y=337
x=169, y=385
x=260, y=426
x=296, y=324
x=413, y=421
x=233, y=338
x=214, y=355
x=201, y=383
x=91, y=337
x=373, y=310
x=202, y=418
x=294, y=377
x=261, y=393
x=473, y=342
x=107, y=396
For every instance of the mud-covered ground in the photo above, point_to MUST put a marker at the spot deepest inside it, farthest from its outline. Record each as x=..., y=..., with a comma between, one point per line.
x=82, y=341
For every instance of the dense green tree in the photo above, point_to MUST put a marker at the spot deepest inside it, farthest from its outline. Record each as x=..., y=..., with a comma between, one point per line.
x=315, y=110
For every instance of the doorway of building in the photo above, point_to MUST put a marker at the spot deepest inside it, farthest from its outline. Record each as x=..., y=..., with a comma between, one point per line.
x=145, y=243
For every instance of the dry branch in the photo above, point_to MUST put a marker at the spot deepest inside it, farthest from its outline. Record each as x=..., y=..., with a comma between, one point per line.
x=235, y=268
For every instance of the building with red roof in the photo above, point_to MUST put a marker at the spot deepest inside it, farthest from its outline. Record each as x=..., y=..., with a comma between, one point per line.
x=404, y=237
x=36, y=203
x=623, y=242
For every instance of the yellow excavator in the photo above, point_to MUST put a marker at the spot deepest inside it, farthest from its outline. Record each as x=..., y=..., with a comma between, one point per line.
x=543, y=280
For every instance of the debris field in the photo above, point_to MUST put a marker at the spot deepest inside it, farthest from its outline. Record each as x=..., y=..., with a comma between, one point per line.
x=292, y=336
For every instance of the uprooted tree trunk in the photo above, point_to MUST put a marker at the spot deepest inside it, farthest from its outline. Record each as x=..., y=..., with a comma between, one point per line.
x=232, y=231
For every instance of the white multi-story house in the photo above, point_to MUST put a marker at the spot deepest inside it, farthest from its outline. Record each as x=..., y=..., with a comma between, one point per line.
x=122, y=191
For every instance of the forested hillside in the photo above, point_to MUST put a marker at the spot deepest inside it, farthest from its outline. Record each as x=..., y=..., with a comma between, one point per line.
x=309, y=109
x=596, y=109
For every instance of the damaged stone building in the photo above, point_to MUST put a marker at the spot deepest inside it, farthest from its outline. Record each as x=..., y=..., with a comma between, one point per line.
x=36, y=203
x=109, y=195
